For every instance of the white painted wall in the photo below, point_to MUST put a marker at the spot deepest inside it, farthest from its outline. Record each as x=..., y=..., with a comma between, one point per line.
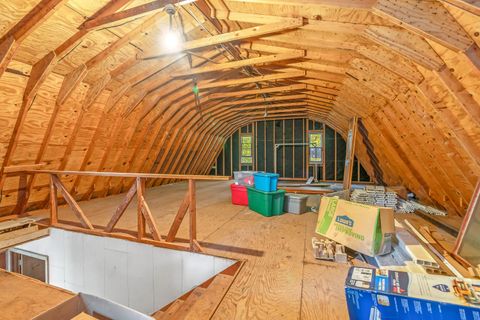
x=137, y=275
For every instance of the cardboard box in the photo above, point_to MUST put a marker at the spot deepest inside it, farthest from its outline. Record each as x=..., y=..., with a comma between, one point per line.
x=366, y=229
x=374, y=294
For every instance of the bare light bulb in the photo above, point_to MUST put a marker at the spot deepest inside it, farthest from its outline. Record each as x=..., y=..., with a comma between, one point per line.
x=171, y=41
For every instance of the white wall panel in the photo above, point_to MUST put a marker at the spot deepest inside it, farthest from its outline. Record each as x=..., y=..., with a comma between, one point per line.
x=140, y=276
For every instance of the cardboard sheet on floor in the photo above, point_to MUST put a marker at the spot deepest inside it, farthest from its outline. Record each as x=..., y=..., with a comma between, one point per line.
x=366, y=229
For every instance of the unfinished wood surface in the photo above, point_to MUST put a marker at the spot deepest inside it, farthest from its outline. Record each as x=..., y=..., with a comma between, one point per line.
x=78, y=92
x=24, y=298
x=277, y=280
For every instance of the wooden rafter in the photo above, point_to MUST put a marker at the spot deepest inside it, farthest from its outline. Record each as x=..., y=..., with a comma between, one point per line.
x=241, y=63
x=228, y=37
x=236, y=82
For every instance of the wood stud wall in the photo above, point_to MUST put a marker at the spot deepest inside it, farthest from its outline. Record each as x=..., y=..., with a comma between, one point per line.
x=76, y=93
x=292, y=162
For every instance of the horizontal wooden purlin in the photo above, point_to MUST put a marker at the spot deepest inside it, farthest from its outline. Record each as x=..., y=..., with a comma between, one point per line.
x=221, y=95
x=319, y=105
x=235, y=82
x=255, y=100
x=127, y=175
x=240, y=63
x=20, y=168
x=227, y=37
x=263, y=107
x=125, y=14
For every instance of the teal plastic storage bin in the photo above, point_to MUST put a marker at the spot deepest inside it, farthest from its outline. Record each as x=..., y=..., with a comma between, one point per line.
x=266, y=182
x=266, y=203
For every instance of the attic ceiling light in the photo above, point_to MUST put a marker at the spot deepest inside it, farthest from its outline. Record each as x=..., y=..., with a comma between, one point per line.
x=171, y=39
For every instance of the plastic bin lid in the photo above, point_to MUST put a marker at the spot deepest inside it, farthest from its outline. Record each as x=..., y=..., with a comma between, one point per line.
x=266, y=174
x=297, y=196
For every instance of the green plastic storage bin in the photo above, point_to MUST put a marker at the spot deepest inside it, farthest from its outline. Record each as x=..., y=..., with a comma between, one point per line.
x=266, y=203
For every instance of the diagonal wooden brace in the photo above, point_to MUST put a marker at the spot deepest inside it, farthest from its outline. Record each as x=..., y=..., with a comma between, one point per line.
x=122, y=207
x=72, y=203
x=182, y=211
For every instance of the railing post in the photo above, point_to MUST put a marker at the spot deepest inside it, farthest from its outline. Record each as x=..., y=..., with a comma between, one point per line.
x=192, y=213
x=140, y=218
x=53, y=202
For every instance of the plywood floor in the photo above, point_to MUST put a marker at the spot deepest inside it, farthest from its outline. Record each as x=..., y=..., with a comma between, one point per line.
x=281, y=279
x=23, y=298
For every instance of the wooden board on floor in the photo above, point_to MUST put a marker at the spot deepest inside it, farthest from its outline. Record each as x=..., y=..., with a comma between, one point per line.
x=24, y=298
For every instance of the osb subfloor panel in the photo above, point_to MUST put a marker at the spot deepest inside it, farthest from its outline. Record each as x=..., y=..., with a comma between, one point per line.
x=281, y=279
x=24, y=298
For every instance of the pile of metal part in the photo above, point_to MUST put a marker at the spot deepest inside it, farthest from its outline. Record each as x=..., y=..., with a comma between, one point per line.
x=325, y=249
x=375, y=196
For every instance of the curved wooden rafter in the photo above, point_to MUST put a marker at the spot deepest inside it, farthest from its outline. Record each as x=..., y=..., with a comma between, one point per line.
x=395, y=70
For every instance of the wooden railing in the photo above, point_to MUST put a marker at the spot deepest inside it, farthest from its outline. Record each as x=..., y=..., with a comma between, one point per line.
x=145, y=218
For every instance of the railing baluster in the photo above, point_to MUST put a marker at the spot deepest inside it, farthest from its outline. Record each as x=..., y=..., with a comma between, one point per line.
x=140, y=218
x=193, y=213
x=53, y=203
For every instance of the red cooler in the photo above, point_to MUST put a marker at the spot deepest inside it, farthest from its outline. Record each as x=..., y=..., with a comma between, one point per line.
x=239, y=194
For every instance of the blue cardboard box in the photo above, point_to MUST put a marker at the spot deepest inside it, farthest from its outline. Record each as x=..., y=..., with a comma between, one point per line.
x=374, y=294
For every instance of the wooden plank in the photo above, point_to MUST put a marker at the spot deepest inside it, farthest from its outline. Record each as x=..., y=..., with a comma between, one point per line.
x=5, y=244
x=177, y=221
x=205, y=307
x=130, y=175
x=53, y=202
x=240, y=93
x=147, y=214
x=95, y=90
x=110, y=7
x=227, y=37
x=8, y=46
x=23, y=167
x=192, y=211
x=140, y=217
x=140, y=10
x=33, y=19
x=37, y=77
x=235, y=82
x=240, y=63
x=40, y=71
x=72, y=203
x=70, y=82
x=350, y=154
x=122, y=207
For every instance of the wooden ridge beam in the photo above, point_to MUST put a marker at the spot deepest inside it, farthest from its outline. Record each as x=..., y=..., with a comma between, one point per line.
x=235, y=82
x=240, y=63
x=227, y=37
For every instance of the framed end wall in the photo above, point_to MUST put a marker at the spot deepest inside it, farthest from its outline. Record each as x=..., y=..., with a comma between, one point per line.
x=292, y=156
